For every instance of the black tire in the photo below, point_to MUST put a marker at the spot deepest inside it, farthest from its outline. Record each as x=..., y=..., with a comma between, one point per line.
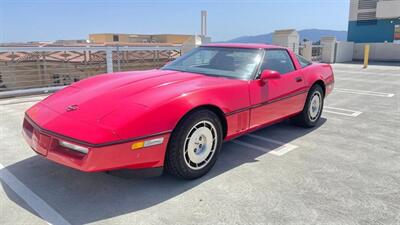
x=305, y=119
x=177, y=160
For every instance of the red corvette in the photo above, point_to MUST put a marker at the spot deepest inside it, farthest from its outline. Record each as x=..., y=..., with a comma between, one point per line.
x=178, y=116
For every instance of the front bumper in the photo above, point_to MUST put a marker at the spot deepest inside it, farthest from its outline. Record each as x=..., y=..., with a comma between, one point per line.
x=99, y=158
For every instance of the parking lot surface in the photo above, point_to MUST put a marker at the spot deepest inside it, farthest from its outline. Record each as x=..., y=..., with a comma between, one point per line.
x=344, y=171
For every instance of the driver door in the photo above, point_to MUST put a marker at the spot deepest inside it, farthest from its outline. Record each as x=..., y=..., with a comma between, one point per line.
x=277, y=98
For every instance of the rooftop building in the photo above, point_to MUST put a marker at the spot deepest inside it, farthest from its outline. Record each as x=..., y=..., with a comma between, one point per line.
x=140, y=38
x=374, y=21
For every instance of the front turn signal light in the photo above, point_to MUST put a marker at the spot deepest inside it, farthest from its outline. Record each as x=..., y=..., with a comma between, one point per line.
x=147, y=143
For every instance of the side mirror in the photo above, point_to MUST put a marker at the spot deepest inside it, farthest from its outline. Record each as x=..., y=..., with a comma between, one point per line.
x=269, y=75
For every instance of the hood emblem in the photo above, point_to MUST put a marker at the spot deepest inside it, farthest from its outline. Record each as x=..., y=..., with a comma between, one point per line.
x=71, y=108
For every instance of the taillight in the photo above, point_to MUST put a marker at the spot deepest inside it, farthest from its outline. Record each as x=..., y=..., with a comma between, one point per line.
x=28, y=128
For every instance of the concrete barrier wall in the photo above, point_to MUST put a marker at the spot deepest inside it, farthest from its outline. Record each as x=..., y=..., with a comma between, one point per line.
x=287, y=38
x=378, y=52
x=328, y=49
x=344, y=51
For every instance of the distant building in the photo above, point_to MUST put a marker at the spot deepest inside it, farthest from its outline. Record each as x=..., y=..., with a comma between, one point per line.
x=374, y=21
x=70, y=42
x=140, y=38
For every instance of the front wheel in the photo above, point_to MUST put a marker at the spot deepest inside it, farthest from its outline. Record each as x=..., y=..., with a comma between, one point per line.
x=194, y=145
x=312, y=109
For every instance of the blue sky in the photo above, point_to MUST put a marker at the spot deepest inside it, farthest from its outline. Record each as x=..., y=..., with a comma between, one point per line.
x=39, y=20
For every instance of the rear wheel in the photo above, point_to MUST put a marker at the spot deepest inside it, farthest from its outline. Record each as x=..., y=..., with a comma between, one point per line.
x=194, y=145
x=312, y=109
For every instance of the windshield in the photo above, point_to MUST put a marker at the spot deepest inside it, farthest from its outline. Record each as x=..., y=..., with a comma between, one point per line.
x=237, y=63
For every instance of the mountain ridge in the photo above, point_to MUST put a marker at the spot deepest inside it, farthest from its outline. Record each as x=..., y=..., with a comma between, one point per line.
x=309, y=34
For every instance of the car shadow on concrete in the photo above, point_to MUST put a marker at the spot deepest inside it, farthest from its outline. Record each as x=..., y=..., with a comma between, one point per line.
x=89, y=197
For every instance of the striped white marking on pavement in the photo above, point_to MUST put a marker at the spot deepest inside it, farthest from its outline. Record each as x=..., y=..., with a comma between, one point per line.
x=35, y=202
x=340, y=111
x=369, y=73
x=6, y=110
x=368, y=81
x=22, y=100
x=283, y=149
x=362, y=92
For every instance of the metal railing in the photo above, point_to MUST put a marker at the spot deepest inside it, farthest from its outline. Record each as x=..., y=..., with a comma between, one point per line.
x=39, y=67
x=316, y=52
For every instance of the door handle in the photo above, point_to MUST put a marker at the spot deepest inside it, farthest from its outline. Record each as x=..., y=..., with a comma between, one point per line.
x=299, y=79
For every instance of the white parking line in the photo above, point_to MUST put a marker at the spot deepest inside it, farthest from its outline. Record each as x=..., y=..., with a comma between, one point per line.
x=369, y=73
x=362, y=92
x=35, y=202
x=283, y=149
x=22, y=100
x=339, y=111
x=4, y=111
x=367, y=81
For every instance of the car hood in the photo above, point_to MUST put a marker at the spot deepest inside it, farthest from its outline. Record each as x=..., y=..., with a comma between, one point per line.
x=92, y=99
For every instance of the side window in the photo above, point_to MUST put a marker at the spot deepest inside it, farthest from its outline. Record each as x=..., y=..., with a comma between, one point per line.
x=278, y=60
x=115, y=38
x=303, y=61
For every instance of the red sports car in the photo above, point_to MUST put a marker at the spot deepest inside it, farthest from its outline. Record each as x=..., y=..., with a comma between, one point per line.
x=178, y=116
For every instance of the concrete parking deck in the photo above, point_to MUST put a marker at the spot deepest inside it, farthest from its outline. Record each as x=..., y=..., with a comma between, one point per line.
x=345, y=171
